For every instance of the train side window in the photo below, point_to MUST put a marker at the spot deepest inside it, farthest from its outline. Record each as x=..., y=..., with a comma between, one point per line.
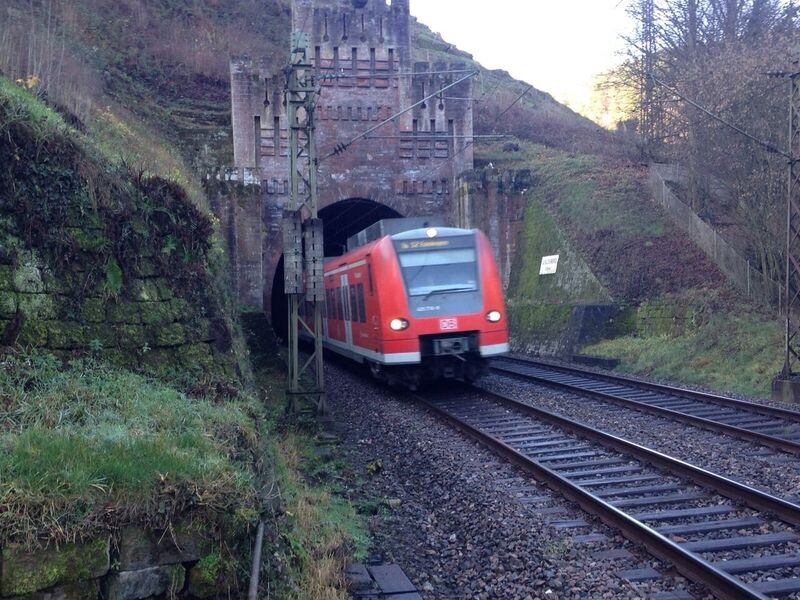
x=369, y=277
x=354, y=305
x=362, y=309
x=340, y=304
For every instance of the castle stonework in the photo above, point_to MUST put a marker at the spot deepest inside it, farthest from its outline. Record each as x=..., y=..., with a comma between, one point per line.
x=361, y=52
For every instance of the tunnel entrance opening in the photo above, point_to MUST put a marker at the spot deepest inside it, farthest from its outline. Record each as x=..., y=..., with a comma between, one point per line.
x=340, y=221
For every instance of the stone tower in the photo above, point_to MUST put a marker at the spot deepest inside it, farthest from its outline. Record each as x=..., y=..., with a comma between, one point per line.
x=362, y=55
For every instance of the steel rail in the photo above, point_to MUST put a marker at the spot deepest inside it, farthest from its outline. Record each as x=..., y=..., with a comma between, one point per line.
x=691, y=565
x=717, y=426
x=770, y=411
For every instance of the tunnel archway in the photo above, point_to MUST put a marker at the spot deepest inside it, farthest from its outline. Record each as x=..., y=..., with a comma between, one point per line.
x=339, y=221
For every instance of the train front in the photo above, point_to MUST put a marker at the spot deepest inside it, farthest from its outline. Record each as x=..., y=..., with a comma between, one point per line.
x=455, y=300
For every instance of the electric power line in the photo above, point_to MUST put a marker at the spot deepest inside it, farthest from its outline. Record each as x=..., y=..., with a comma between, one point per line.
x=769, y=146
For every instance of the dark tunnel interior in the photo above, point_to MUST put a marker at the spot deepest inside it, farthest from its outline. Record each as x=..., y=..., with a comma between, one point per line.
x=340, y=221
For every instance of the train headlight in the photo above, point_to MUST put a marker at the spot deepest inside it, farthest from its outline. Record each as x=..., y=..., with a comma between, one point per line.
x=398, y=324
x=493, y=316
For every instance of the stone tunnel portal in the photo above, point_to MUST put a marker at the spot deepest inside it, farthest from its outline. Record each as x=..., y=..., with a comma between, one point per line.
x=340, y=220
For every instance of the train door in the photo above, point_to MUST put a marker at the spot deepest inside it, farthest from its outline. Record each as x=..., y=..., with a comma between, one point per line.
x=348, y=311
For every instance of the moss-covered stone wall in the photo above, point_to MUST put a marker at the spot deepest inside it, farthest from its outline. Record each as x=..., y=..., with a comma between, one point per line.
x=98, y=257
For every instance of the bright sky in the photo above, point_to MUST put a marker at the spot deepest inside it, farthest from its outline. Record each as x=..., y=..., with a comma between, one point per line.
x=555, y=45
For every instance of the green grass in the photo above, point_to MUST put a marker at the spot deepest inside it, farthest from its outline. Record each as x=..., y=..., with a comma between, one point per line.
x=23, y=106
x=80, y=440
x=737, y=351
x=590, y=195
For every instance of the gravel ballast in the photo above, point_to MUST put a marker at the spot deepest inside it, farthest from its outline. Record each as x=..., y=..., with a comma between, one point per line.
x=464, y=524
x=772, y=471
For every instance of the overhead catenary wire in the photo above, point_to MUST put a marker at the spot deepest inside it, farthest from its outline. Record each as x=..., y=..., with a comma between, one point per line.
x=461, y=150
x=343, y=74
x=769, y=146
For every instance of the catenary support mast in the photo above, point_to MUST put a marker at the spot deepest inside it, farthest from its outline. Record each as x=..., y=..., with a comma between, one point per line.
x=302, y=231
x=792, y=304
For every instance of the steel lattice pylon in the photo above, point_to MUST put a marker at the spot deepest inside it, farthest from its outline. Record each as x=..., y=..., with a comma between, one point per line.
x=792, y=305
x=302, y=232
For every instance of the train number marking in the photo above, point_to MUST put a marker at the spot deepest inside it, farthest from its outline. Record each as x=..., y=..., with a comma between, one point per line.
x=448, y=324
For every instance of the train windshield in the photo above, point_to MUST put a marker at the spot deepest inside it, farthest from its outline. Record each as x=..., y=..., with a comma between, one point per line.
x=439, y=271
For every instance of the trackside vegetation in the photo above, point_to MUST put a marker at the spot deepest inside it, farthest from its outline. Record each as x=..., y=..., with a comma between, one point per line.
x=736, y=350
x=678, y=319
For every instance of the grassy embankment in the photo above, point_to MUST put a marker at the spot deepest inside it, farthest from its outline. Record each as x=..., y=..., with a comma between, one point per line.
x=89, y=448
x=680, y=321
x=736, y=349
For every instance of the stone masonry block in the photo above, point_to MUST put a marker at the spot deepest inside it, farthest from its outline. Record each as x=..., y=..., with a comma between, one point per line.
x=93, y=310
x=27, y=572
x=179, y=306
x=132, y=336
x=8, y=304
x=196, y=355
x=33, y=333
x=145, y=290
x=164, y=291
x=28, y=278
x=136, y=585
x=107, y=335
x=171, y=335
x=66, y=335
x=37, y=306
x=80, y=590
x=156, y=313
x=126, y=312
x=139, y=548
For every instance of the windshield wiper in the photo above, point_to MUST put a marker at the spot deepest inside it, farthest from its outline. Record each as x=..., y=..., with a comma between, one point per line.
x=448, y=290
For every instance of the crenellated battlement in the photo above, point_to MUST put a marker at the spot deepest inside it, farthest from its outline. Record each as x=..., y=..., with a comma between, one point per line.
x=361, y=53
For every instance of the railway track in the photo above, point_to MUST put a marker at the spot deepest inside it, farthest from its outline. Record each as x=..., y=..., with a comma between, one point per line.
x=737, y=541
x=775, y=427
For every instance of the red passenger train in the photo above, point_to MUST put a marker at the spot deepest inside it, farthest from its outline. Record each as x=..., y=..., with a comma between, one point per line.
x=416, y=305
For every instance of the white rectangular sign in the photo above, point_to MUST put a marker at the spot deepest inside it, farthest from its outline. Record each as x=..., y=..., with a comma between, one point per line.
x=549, y=265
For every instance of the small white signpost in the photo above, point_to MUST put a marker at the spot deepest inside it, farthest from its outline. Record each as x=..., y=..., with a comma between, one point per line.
x=549, y=265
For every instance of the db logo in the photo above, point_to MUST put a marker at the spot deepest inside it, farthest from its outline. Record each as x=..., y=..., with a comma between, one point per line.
x=448, y=324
